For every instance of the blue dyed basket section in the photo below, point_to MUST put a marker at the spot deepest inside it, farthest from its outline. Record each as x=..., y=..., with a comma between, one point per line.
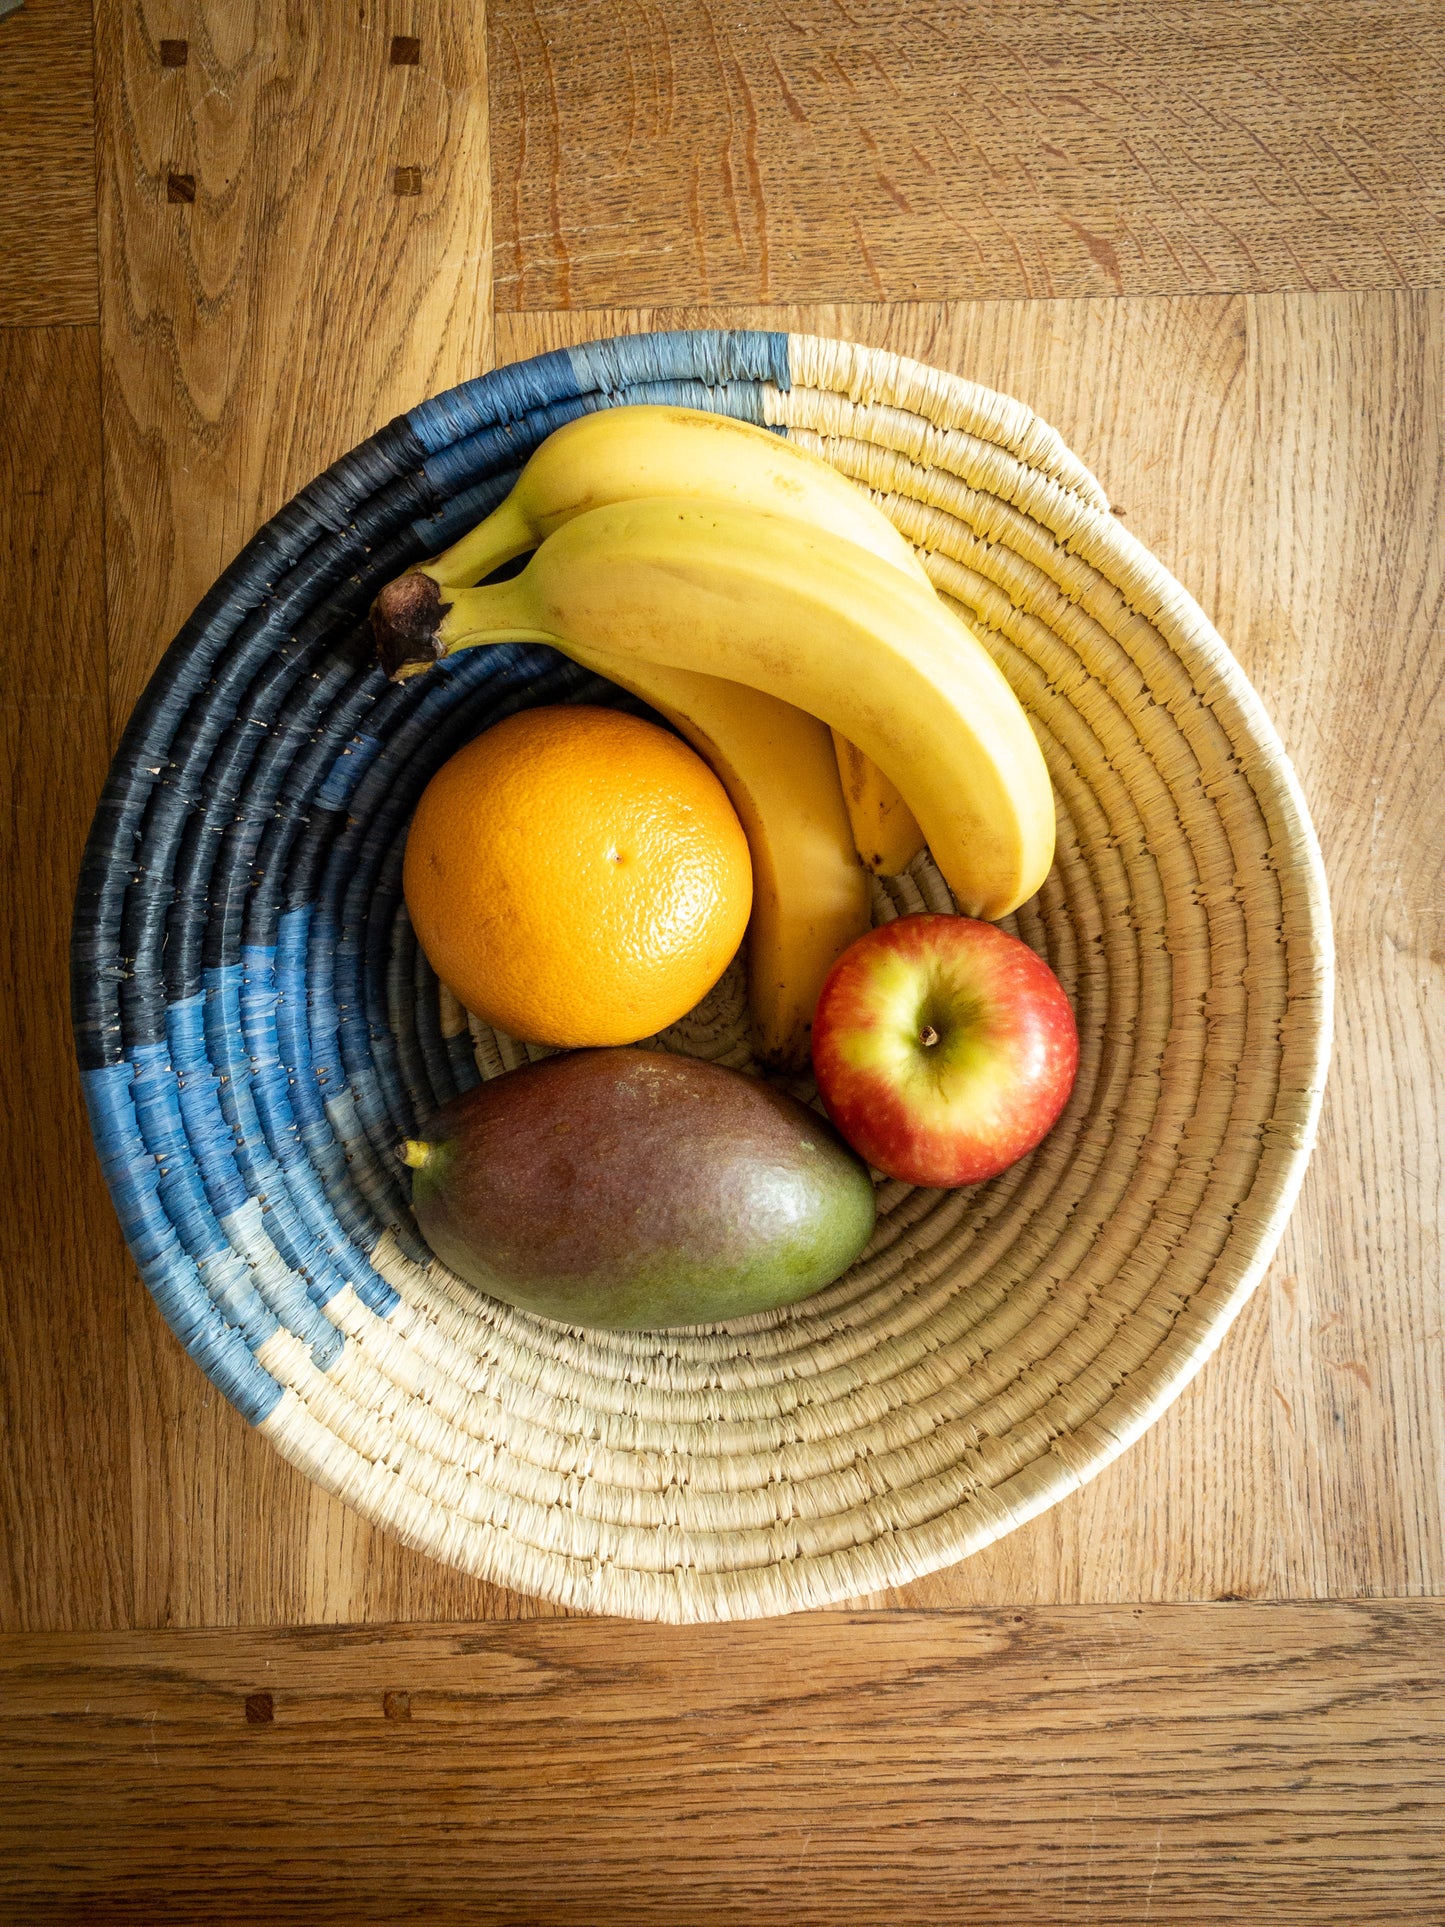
x=256, y=1024
x=222, y=1348
x=676, y=365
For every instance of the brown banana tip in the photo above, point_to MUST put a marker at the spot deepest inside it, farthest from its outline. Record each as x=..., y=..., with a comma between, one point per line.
x=405, y=619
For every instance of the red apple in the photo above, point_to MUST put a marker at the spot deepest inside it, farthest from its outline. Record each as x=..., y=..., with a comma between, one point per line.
x=944, y=1049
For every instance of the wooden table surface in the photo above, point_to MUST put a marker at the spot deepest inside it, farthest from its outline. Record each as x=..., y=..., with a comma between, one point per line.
x=1205, y=240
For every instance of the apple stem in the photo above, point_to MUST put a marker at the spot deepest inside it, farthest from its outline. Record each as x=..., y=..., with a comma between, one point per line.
x=414, y=1152
x=927, y=1036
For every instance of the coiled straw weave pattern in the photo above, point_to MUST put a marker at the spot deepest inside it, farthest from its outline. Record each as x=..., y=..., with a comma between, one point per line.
x=257, y=1030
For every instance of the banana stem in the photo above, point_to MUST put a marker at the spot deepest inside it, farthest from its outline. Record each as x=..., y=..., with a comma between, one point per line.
x=496, y=612
x=415, y=625
x=505, y=534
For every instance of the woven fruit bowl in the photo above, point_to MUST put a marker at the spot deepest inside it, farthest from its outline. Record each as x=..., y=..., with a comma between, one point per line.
x=258, y=1030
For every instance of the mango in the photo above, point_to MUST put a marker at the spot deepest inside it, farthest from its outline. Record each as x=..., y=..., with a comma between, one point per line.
x=631, y=1189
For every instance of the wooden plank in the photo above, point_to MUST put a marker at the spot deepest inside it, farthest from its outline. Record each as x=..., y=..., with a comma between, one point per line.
x=64, y=1470
x=1104, y=1765
x=47, y=166
x=931, y=151
x=1284, y=456
x=1269, y=1476
x=1344, y=604
x=1287, y=1469
x=264, y=310
x=272, y=291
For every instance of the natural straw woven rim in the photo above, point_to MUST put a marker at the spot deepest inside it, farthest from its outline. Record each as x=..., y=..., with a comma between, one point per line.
x=257, y=1028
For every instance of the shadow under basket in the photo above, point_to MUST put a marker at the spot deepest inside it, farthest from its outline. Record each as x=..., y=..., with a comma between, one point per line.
x=257, y=1030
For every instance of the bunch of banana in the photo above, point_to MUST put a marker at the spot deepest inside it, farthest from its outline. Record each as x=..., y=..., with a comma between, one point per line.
x=775, y=573
x=628, y=454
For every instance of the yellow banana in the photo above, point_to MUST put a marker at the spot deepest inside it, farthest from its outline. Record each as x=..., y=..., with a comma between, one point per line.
x=885, y=831
x=626, y=454
x=803, y=615
x=623, y=454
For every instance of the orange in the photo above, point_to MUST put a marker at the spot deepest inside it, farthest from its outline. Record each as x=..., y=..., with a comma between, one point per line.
x=577, y=876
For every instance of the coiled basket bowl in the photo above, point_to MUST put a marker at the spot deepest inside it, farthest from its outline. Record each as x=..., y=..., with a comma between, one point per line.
x=257, y=1030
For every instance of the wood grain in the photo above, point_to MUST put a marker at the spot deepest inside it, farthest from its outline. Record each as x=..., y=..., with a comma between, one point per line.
x=252, y=334
x=64, y=1468
x=1107, y=1766
x=926, y=151
x=1283, y=455
x=1000, y=1762
x=47, y=166
x=256, y=332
